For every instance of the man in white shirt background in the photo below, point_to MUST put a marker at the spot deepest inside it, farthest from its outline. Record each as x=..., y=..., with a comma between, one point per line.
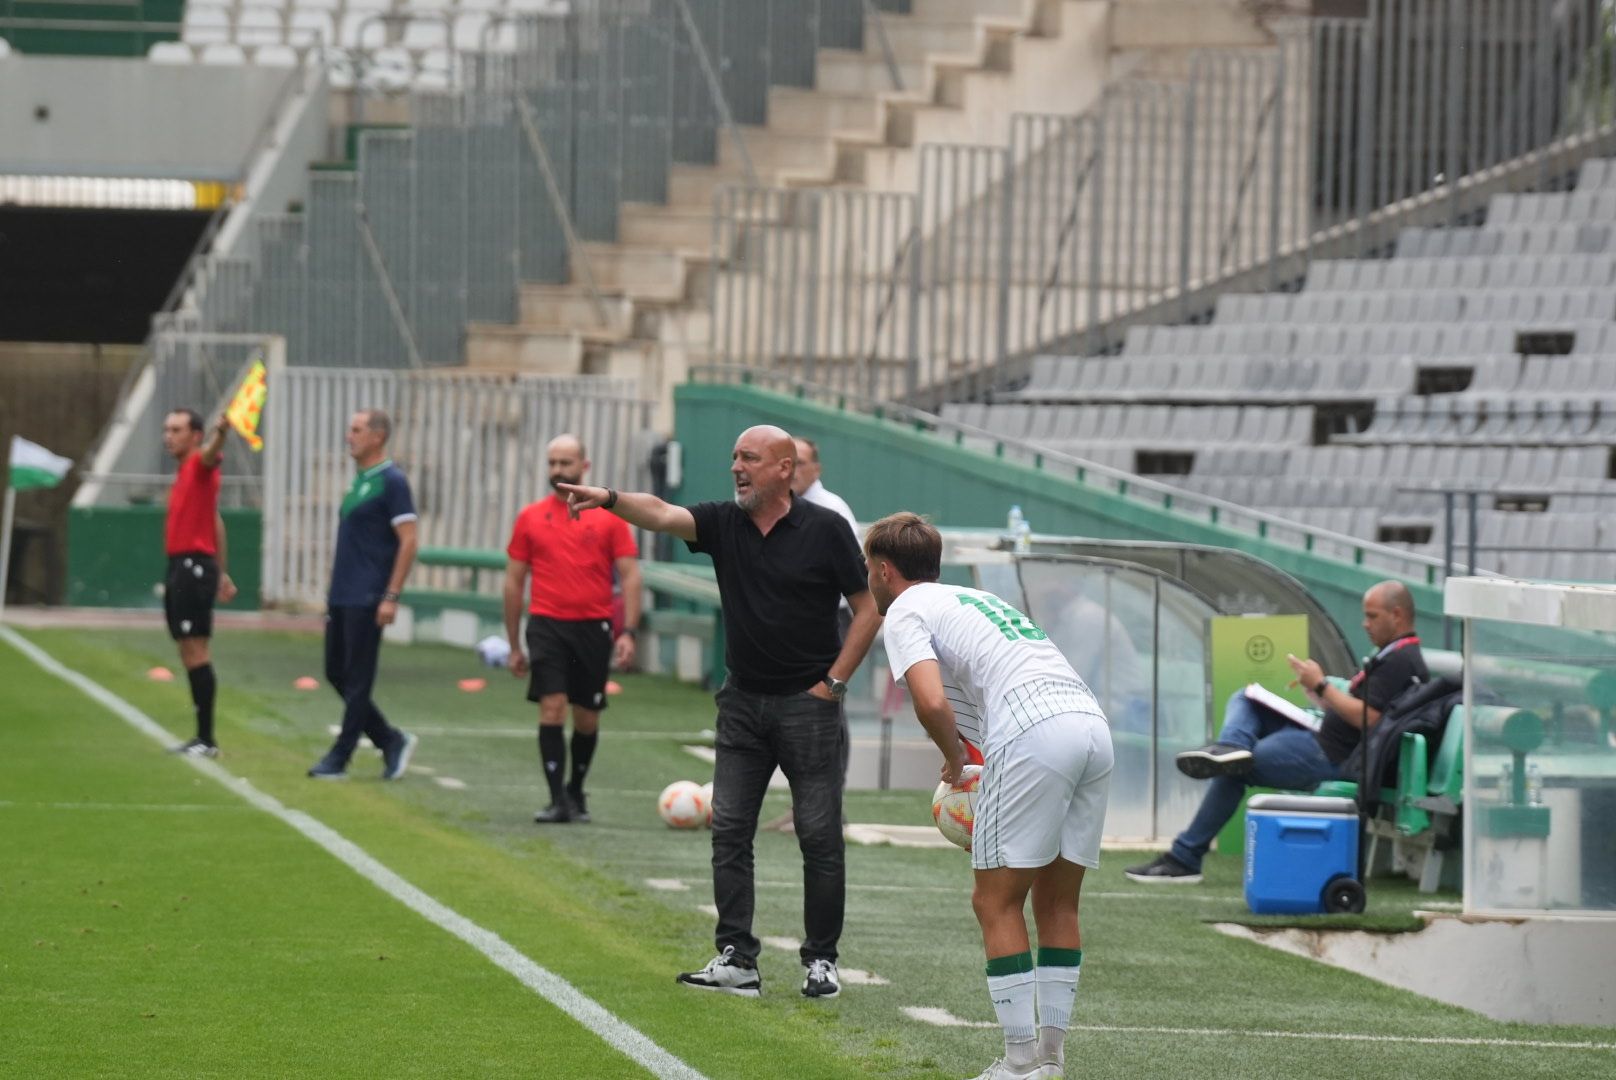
x=806, y=484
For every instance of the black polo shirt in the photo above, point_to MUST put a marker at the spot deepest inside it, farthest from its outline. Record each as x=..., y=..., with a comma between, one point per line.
x=780, y=592
x=1388, y=673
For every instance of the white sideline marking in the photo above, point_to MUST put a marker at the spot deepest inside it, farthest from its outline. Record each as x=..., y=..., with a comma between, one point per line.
x=667, y=884
x=708, y=909
x=944, y=1018
x=424, y=770
x=554, y=989
x=964, y=887
x=850, y=976
x=449, y=782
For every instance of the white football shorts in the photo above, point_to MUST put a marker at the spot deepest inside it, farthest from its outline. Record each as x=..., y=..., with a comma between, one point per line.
x=1043, y=795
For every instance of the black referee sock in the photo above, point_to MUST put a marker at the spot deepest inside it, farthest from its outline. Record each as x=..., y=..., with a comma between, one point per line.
x=203, y=688
x=583, y=752
x=553, y=752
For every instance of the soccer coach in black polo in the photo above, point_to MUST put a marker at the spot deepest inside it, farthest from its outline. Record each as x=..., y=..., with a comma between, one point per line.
x=783, y=565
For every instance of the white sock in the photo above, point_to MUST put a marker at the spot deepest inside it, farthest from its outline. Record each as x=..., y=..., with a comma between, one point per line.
x=1057, y=989
x=1015, y=1001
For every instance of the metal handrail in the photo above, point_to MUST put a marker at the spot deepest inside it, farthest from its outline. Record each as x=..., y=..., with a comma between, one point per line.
x=577, y=258
x=1125, y=483
x=374, y=252
x=873, y=13
x=716, y=89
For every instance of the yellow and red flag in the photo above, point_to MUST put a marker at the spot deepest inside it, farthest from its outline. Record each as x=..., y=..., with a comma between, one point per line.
x=247, y=407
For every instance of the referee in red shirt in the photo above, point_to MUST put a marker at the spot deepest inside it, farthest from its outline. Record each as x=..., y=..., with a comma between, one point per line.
x=193, y=537
x=571, y=642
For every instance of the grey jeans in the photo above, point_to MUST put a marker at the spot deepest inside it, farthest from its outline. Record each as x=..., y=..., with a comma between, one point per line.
x=805, y=737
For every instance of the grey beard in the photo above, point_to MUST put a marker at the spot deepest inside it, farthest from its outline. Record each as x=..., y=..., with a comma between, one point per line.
x=749, y=501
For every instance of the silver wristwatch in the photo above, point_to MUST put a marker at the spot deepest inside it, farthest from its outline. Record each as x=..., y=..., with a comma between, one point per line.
x=837, y=687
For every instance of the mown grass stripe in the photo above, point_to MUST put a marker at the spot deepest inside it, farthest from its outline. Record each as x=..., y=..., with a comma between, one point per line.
x=554, y=989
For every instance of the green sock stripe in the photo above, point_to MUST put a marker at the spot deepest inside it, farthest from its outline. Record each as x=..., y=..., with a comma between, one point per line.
x=1060, y=957
x=1010, y=965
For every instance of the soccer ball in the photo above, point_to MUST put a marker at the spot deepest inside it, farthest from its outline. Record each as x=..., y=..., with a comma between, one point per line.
x=707, y=800
x=682, y=805
x=954, y=808
x=493, y=651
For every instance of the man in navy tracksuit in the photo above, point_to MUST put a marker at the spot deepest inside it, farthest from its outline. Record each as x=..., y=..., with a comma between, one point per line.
x=376, y=543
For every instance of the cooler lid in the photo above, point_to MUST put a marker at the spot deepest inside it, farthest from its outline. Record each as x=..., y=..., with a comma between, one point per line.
x=1303, y=804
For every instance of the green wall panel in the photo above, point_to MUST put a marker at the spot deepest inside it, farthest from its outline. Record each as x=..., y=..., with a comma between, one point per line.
x=880, y=467
x=115, y=556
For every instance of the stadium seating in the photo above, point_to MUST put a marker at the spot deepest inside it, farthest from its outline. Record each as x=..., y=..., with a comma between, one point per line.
x=380, y=44
x=1476, y=358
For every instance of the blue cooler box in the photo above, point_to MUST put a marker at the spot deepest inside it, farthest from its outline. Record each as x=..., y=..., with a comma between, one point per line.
x=1298, y=848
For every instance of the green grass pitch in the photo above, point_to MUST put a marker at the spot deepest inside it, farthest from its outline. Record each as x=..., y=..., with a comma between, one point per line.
x=154, y=924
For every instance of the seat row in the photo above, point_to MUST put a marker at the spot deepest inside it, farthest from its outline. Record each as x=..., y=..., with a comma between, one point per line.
x=1461, y=419
x=1463, y=272
x=1153, y=426
x=1534, y=306
x=1507, y=240
x=1429, y=340
x=362, y=29
x=1221, y=378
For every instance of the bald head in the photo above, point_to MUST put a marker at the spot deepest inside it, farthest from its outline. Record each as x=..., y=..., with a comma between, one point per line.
x=565, y=461
x=1388, y=609
x=761, y=466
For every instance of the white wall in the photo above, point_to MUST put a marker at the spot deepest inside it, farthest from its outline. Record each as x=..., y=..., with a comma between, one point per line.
x=119, y=117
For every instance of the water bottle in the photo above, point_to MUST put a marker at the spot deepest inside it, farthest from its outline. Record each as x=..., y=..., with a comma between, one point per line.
x=1534, y=785
x=1024, y=536
x=1015, y=522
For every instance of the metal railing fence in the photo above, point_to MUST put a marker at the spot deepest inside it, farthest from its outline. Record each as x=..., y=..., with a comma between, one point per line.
x=471, y=445
x=1173, y=187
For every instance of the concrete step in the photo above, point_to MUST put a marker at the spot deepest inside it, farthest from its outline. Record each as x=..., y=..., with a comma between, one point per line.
x=956, y=10
x=915, y=39
x=776, y=152
x=794, y=110
x=676, y=227
x=642, y=273
x=498, y=347
x=570, y=307
x=691, y=186
x=848, y=73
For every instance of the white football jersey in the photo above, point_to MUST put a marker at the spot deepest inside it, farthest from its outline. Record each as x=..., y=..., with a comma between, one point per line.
x=1002, y=673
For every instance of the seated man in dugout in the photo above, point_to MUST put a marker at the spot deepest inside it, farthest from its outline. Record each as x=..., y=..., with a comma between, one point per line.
x=1261, y=747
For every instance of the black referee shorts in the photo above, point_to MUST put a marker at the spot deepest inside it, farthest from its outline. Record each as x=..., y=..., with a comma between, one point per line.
x=189, y=590
x=570, y=656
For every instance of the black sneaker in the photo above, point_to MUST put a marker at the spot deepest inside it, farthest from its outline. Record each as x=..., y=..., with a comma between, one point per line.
x=557, y=813
x=578, y=806
x=328, y=768
x=1163, y=869
x=396, y=758
x=822, y=981
x=727, y=973
x=1214, y=759
x=197, y=748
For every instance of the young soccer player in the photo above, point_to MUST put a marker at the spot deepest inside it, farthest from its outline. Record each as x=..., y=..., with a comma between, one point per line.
x=978, y=668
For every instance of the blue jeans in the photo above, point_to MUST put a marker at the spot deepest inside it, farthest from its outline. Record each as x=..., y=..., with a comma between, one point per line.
x=806, y=737
x=1284, y=755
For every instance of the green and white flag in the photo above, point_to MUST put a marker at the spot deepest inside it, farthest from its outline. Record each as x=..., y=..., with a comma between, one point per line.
x=34, y=467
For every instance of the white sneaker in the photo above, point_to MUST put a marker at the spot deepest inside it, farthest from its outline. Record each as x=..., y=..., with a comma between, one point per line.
x=1003, y=1070
x=822, y=981
x=726, y=973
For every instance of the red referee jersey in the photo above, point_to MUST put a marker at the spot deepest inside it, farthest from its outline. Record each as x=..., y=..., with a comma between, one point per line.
x=193, y=503
x=570, y=561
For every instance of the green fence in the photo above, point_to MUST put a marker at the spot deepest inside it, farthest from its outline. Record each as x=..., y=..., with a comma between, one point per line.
x=115, y=556
x=879, y=467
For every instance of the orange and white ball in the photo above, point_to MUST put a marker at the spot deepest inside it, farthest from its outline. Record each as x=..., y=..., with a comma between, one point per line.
x=954, y=808
x=683, y=805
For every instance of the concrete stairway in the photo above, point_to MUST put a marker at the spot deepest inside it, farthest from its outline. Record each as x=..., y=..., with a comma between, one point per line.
x=966, y=67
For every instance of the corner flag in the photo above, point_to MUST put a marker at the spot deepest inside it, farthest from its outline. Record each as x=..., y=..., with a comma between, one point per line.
x=33, y=467
x=247, y=407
